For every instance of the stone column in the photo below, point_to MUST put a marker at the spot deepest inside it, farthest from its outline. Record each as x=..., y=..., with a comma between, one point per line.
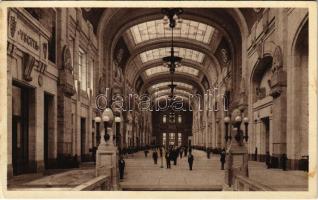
x=39, y=129
x=9, y=117
x=278, y=85
x=66, y=87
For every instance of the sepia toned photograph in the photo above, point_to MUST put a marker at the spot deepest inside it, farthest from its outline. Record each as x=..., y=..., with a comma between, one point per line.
x=205, y=99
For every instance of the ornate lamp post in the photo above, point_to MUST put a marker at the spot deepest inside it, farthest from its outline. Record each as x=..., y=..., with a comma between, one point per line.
x=107, y=118
x=118, y=136
x=226, y=122
x=245, y=120
x=237, y=123
x=97, y=121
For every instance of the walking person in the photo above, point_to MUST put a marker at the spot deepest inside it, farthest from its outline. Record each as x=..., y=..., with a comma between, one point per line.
x=190, y=160
x=161, y=157
x=146, y=152
x=181, y=152
x=175, y=156
x=185, y=151
x=167, y=156
x=268, y=160
x=121, y=166
x=208, y=152
x=155, y=156
x=222, y=158
x=283, y=160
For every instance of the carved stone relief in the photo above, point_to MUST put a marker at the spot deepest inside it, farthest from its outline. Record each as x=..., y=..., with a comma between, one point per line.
x=118, y=65
x=12, y=25
x=278, y=78
x=102, y=84
x=28, y=64
x=67, y=78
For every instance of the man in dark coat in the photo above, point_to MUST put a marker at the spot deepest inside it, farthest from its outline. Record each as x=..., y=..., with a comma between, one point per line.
x=175, y=155
x=208, y=152
x=160, y=151
x=167, y=156
x=121, y=166
x=268, y=160
x=155, y=156
x=181, y=152
x=283, y=161
x=185, y=151
x=222, y=158
x=190, y=160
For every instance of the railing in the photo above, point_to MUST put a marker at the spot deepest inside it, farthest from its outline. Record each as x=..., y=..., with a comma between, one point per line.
x=242, y=183
x=100, y=183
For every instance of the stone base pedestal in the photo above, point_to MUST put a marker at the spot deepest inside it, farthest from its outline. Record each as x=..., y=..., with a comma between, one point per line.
x=236, y=162
x=107, y=160
x=106, y=163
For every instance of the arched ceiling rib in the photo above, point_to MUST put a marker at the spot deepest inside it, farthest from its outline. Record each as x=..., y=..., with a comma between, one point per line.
x=140, y=69
x=194, y=55
x=166, y=80
x=162, y=69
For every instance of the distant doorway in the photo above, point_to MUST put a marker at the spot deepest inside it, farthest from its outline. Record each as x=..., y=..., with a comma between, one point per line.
x=266, y=134
x=20, y=129
x=48, y=128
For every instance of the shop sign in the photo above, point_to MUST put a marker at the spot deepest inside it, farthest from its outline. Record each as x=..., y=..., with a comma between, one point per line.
x=23, y=34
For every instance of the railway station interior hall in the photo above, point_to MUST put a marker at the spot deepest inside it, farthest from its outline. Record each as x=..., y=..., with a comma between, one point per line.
x=137, y=80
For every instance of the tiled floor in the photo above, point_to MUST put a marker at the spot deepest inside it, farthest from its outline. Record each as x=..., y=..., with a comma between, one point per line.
x=206, y=174
x=142, y=174
x=278, y=179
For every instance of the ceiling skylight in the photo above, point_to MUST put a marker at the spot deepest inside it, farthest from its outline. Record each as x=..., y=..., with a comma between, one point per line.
x=165, y=84
x=184, y=53
x=187, y=29
x=161, y=69
x=176, y=91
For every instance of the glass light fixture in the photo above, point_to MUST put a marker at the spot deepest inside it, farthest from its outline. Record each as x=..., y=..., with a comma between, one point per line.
x=98, y=119
x=227, y=119
x=117, y=119
x=245, y=120
x=238, y=119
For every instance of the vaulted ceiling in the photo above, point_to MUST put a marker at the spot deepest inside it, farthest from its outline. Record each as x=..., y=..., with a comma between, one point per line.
x=197, y=38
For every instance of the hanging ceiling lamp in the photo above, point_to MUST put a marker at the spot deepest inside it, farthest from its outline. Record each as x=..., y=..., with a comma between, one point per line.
x=171, y=16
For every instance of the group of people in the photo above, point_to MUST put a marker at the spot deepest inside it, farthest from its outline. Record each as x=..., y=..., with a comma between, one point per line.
x=171, y=154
